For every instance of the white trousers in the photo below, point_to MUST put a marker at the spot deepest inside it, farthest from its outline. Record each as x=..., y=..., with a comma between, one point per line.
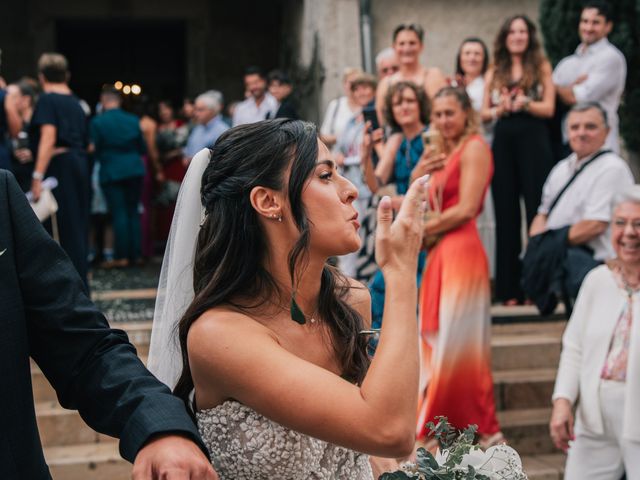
x=604, y=457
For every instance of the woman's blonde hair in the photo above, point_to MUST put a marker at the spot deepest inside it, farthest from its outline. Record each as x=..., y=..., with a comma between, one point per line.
x=472, y=125
x=347, y=72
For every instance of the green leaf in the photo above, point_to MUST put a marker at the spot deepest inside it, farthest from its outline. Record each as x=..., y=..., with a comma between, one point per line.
x=426, y=460
x=471, y=473
x=296, y=314
x=445, y=476
x=394, y=476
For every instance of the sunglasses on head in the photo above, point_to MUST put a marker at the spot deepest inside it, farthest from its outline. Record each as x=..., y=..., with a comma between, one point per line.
x=414, y=27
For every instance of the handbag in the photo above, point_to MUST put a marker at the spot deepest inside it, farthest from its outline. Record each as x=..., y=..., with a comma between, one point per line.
x=46, y=207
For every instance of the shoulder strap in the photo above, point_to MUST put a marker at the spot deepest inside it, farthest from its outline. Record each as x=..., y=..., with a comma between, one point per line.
x=574, y=176
x=332, y=126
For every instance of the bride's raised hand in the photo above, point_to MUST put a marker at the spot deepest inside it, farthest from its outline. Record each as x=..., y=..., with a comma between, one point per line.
x=398, y=241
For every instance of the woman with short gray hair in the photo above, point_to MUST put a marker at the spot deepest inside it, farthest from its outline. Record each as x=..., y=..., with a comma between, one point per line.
x=600, y=362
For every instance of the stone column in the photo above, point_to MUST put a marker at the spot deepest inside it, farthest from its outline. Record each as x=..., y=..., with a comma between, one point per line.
x=330, y=36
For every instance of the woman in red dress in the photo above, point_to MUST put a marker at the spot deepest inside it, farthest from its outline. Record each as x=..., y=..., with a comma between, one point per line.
x=456, y=379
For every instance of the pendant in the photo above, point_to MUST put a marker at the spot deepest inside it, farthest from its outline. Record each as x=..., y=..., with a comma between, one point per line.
x=296, y=314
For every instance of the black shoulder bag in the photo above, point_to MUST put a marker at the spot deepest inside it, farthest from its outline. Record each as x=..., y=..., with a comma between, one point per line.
x=550, y=267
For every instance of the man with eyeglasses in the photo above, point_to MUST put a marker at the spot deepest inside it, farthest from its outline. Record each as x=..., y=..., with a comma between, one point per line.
x=386, y=63
x=577, y=193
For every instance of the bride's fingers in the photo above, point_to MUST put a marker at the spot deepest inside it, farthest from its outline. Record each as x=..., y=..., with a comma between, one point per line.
x=412, y=204
x=385, y=217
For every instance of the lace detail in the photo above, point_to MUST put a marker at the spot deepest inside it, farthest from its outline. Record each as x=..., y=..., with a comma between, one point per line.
x=245, y=445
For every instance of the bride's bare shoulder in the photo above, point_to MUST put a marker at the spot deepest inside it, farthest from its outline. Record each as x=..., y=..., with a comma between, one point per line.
x=224, y=325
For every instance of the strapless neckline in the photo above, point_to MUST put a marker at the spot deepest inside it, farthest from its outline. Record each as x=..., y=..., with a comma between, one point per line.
x=245, y=445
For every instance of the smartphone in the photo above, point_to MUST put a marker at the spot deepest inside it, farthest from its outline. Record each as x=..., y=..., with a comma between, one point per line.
x=433, y=139
x=370, y=115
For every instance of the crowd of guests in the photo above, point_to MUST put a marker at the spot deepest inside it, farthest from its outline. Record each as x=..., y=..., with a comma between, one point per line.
x=506, y=134
x=118, y=168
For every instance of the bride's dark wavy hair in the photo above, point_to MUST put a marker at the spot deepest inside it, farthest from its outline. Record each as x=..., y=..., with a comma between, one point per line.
x=231, y=246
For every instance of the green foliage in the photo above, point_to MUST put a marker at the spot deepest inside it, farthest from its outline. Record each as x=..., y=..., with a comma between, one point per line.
x=455, y=444
x=559, y=26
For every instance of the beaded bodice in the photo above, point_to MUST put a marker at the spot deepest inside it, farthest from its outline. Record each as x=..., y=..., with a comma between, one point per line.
x=245, y=445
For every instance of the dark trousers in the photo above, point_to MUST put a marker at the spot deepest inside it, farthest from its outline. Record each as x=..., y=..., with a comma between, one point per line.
x=522, y=157
x=123, y=199
x=73, y=194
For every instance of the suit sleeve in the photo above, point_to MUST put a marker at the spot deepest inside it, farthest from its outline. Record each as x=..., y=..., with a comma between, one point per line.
x=92, y=367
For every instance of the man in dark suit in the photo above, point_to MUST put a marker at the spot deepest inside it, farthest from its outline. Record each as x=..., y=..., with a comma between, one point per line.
x=46, y=314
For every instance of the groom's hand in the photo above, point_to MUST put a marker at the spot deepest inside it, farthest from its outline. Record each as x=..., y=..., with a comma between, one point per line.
x=172, y=457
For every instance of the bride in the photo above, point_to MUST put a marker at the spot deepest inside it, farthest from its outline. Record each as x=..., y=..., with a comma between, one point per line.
x=272, y=351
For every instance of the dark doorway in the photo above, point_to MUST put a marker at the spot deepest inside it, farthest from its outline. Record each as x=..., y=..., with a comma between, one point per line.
x=148, y=53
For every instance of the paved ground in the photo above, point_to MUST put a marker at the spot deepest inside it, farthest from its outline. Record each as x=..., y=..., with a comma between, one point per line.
x=126, y=294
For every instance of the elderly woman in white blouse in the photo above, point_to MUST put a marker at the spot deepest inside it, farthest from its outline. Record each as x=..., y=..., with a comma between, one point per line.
x=600, y=363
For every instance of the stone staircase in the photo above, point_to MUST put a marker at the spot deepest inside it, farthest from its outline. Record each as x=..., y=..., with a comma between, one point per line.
x=72, y=449
x=525, y=357
x=525, y=354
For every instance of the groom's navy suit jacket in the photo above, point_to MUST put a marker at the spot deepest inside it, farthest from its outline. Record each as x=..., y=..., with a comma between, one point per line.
x=45, y=313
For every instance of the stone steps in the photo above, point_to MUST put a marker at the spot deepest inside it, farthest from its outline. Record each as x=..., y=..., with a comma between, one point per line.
x=525, y=355
x=59, y=427
x=88, y=461
x=527, y=430
x=523, y=388
x=544, y=467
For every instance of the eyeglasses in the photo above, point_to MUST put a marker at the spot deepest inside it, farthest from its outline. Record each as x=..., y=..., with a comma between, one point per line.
x=622, y=223
x=387, y=70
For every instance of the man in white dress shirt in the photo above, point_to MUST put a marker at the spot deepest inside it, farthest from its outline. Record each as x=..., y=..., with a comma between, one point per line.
x=259, y=103
x=586, y=204
x=597, y=71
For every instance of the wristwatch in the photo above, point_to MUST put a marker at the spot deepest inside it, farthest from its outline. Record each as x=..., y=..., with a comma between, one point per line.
x=37, y=175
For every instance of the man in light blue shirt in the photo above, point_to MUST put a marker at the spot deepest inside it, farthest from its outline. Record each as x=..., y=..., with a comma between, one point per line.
x=209, y=123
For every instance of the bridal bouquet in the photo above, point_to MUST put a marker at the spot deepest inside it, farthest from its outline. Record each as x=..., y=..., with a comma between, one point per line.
x=459, y=459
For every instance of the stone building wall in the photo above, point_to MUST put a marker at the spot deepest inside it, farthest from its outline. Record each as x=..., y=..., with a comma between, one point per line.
x=314, y=39
x=446, y=23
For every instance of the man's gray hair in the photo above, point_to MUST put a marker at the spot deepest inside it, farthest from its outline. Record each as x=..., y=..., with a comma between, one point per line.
x=384, y=55
x=630, y=194
x=584, y=106
x=213, y=99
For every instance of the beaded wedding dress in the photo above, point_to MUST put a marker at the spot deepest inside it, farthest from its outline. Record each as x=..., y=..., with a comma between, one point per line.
x=245, y=445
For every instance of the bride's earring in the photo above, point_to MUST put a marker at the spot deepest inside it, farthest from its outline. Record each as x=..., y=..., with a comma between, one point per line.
x=296, y=313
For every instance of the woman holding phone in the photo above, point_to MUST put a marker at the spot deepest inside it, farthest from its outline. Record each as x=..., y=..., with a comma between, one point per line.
x=347, y=156
x=407, y=110
x=455, y=293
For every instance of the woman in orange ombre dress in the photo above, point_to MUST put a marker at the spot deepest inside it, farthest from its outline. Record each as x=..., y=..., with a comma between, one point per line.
x=456, y=379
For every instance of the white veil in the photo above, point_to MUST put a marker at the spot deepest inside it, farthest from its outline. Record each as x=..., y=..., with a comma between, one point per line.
x=175, y=288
